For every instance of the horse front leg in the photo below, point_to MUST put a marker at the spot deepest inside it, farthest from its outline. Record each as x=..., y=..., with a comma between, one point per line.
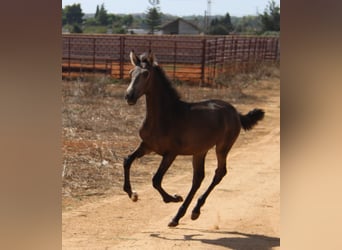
x=139, y=152
x=158, y=177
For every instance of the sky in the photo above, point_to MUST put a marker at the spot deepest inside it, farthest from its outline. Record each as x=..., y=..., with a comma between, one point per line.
x=176, y=7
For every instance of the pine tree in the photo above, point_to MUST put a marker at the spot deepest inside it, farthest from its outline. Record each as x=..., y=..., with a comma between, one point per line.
x=221, y=26
x=101, y=16
x=97, y=12
x=153, y=19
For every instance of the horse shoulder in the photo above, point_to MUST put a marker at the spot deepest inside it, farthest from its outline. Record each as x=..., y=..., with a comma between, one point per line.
x=145, y=131
x=150, y=132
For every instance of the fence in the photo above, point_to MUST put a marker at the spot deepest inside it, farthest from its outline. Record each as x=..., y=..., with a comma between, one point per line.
x=188, y=58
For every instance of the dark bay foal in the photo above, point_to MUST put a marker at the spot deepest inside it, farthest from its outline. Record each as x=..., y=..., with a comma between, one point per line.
x=173, y=127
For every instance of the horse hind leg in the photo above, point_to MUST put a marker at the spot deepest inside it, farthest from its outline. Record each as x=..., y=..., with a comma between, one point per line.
x=220, y=172
x=198, y=176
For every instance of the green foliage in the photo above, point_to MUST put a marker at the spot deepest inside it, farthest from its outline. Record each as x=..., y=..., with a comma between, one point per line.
x=137, y=21
x=118, y=24
x=221, y=26
x=95, y=29
x=101, y=15
x=153, y=19
x=64, y=19
x=248, y=25
x=127, y=20
x=97, y=11
x=76, y=28
x=227, y=22
x=114, y=19
x=218, y=30
x=119, y=30
x=90, y=22
x=270, y=19
x=72, y=14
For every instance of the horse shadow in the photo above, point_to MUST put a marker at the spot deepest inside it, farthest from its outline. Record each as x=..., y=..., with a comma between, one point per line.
x=242, y=241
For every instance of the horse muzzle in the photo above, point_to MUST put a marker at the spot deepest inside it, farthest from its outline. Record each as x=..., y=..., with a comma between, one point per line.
x=130, y=98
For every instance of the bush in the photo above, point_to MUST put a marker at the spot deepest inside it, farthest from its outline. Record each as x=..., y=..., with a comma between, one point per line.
x=76, y=28
x=95, y=29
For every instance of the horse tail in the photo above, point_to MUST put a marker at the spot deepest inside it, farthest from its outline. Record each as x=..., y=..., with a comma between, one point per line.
x=248, y=121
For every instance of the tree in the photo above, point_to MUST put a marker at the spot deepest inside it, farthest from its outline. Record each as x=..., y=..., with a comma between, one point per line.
x=127, y=20
x=102, y=15
x=249, y=25
x=73, y=14
x=64, y=20
x=218, y=30
x=222, y=26
x=97, y=11
x=76, y=28
x=153, y=19
x=270, y=19
x=226, y=21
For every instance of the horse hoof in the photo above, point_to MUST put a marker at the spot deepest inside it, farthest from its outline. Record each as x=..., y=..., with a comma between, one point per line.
x=194, y=215
x=178, y=198
x=134, y=196
x=174, y=198
x=173, y=223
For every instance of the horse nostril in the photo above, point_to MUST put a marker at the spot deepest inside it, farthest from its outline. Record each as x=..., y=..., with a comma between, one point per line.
x=128, y=95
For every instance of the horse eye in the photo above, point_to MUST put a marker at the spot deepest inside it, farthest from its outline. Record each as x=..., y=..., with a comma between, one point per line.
x=145, y=73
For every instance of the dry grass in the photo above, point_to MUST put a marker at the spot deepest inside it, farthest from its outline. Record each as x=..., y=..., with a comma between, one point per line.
x=95, y=129
x=250, y=75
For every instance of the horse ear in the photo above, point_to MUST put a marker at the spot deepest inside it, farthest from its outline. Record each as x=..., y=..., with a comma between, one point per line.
x=134, y=59
x=152, y=58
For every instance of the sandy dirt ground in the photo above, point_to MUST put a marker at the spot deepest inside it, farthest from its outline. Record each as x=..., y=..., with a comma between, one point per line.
x=241, y=213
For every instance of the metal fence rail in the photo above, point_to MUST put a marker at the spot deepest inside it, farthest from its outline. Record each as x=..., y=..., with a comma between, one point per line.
x=188, y=58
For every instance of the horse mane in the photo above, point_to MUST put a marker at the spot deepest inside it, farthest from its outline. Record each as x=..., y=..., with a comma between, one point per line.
x=166, y=83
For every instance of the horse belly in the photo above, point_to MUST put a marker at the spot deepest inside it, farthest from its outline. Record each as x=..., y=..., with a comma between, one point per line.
x=195, y=140
x=195, y=132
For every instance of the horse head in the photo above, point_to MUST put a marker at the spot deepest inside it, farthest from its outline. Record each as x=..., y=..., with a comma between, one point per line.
x=140, y=76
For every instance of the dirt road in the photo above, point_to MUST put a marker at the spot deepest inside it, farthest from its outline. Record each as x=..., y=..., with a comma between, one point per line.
x=241, y=213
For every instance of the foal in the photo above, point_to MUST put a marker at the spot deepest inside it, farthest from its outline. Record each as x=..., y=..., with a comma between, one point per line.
x=173, y=127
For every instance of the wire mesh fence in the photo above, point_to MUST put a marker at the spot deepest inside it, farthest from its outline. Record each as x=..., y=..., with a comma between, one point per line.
x=197, y=59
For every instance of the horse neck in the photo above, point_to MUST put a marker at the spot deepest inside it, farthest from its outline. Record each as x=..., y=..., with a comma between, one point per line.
x=161, y=102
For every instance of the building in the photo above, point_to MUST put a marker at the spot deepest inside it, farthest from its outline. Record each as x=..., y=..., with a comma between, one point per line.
x=180, y=27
